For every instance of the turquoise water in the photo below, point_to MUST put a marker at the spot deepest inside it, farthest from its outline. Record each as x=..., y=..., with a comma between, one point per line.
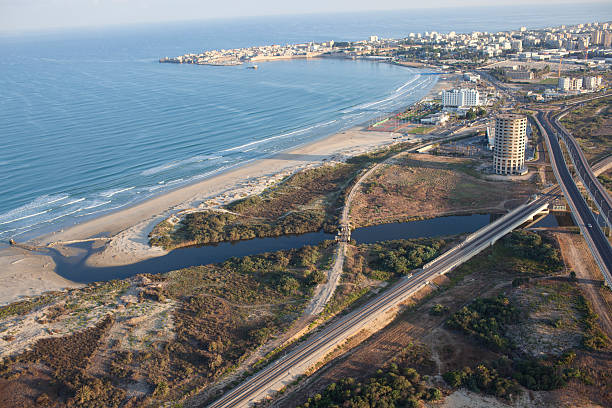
x=89, y=136
x=90, y=122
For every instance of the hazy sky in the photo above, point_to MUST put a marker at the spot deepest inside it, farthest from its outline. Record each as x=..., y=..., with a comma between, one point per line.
x=17, y=15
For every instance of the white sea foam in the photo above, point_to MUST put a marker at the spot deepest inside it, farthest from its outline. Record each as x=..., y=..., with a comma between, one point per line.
x=24, y=217
x=295, y=132
x=380, y=103
x=94, y=204
x=31, y=209
x=57, y=217
x=110, y=193
x=171, y=165
x=73, y=202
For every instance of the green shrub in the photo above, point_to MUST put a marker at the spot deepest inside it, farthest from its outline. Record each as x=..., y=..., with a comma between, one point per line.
x=486, y=320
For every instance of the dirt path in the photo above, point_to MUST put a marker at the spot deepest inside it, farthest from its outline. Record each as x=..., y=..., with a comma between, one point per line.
x=576, y=254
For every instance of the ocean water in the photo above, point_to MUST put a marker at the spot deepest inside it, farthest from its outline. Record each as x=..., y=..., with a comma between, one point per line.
x=90, y=122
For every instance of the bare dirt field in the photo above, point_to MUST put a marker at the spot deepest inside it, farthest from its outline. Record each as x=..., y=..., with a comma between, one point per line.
x=579, y=259
x=425, y=186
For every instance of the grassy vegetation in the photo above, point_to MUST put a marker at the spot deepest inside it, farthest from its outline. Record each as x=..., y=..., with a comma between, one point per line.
x=26, y=306
x=413, y=187
x=369, y=264
x=399, y=384
x=392, y=259
x=421, y=130
x=487, y=320
x=494, y=321
x=549, y=81
x=216, y=314
x=594, y=338
x=307, y=201
x=67, y=359
x=591, y=125
x=502, y=377
x=523, y=253
x=606, y=181
x=226, y=311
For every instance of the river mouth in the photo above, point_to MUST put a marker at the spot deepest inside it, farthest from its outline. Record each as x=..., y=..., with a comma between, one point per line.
x=76, y=270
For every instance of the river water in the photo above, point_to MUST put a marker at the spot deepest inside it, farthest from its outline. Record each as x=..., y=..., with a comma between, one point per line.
x=206, y=254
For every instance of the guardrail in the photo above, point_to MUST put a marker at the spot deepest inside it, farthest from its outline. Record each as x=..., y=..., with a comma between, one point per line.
x=592, y=185
x=574, y=211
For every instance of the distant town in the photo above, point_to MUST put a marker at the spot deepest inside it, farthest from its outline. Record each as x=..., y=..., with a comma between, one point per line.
x=535, y=56
x=549, y=44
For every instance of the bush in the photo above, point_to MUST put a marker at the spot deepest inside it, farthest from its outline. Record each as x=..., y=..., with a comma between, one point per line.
x=288, y=285
x=594, y=338
x=530, y=245
x=438, y=309
x=397, y=386
x=516, y=282
x=402, y=256
x=484, y=379
x=486, y=320
x=316, y=277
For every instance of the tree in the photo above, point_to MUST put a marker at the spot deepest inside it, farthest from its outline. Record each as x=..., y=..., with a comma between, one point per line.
x=316, y=277
x=288, y=285
x=572, y=275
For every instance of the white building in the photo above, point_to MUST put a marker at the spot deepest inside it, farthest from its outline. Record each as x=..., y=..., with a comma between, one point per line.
x=510, y=141
x=570, y=84
x=491, y=137
x=471, y=77
x=517, y=45
x=591, y=82
x=438, y=118
x=564, y=84
x=460, y=97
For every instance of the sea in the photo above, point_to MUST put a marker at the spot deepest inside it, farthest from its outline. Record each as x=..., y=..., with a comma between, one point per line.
x=90, y=122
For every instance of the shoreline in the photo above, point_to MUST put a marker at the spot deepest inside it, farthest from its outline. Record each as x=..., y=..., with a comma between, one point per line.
x=121, y=236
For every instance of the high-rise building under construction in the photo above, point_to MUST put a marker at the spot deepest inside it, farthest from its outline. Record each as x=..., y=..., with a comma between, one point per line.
x=510, y=142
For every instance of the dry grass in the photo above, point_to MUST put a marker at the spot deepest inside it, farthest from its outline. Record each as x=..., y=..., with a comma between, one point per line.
x=591, y=125
x=421, y=186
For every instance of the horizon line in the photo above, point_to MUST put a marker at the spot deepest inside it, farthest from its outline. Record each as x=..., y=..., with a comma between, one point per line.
x=60, y=28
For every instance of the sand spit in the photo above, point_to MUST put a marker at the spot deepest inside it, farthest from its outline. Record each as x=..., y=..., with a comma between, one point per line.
x=124, y=233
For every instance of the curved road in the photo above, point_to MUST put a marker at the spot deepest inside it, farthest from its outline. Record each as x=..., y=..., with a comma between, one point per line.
x=584, y=217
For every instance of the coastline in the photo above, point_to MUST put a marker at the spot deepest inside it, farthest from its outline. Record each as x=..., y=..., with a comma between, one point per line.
x=122, y=236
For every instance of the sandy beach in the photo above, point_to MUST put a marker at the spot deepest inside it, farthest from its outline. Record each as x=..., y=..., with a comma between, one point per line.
x=124, y=233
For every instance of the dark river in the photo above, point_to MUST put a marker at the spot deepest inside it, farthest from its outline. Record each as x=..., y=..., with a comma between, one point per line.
x=78, y=271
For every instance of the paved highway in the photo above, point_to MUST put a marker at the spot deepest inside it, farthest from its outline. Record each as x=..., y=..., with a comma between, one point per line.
x=304, y=355
x=584, y=217
x=597, y=192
